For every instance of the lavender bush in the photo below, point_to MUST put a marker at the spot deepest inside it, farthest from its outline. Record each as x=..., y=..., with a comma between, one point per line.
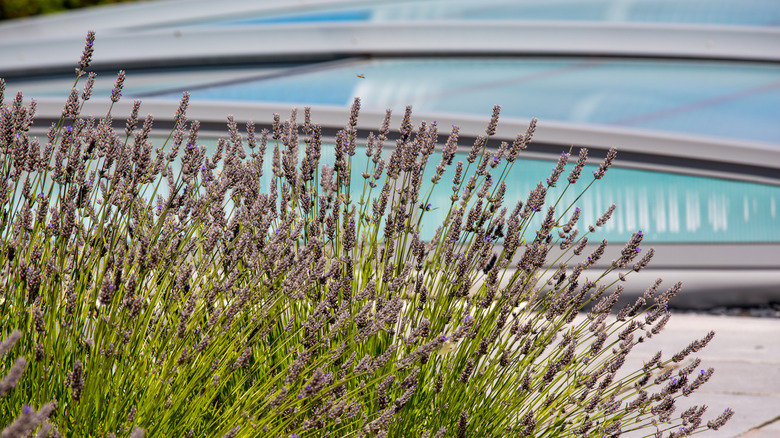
x=138, y=301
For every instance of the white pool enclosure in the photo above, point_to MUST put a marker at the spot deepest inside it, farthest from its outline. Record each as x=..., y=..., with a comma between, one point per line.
x=688, y=91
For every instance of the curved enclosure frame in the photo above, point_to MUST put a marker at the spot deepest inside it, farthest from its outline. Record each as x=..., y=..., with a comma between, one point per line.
x=688, y=92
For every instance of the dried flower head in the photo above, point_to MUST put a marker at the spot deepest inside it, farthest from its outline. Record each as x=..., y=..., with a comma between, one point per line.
x=86, y=55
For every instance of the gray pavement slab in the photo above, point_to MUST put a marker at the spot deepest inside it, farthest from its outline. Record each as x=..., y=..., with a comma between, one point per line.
x=745, y=353
x=771, y=430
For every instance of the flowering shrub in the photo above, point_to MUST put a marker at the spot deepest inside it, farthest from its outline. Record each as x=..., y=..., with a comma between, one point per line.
x=138, y=301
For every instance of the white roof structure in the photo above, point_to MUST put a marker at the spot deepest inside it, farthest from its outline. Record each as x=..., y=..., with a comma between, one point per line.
x=689, y=92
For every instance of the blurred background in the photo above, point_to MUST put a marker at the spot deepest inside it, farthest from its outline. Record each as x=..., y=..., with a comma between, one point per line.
x=688, y=91
x=27, y=8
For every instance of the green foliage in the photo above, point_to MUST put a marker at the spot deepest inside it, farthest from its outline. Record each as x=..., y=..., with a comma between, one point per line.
x=27, y=8
x=139, y=300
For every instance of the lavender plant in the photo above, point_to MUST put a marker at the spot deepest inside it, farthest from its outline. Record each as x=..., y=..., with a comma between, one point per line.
x=136, y=299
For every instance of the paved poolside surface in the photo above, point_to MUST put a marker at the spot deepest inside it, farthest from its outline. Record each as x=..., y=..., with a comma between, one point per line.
x=746, y=356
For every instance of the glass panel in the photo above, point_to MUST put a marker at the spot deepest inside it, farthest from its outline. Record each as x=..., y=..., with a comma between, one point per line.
x=142, y=82
x=668, y=208
x=727, y=100
x=722, y=12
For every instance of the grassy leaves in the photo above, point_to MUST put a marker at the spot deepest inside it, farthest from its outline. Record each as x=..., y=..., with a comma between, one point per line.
x=311, y=305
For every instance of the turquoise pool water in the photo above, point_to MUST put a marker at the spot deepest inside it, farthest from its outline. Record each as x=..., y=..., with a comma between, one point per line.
x=668, y=208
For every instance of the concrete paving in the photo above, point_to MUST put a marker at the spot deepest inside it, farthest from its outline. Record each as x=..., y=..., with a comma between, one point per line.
x=746, y=356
